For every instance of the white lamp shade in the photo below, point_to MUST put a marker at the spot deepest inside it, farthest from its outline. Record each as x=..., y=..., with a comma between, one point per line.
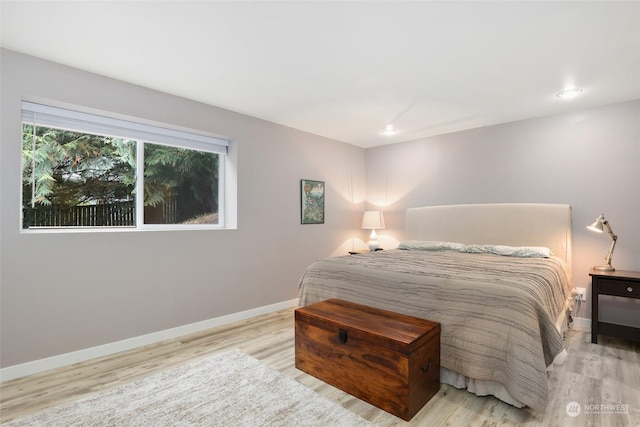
x=597, y=226
x=373, y=220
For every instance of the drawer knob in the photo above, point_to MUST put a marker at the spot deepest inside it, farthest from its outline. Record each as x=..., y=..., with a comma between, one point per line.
x=425, y=368
x=342, y=336
x=629, y=289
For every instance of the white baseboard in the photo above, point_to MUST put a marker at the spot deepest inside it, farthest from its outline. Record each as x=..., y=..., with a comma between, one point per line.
x=581, y=324
x=29, y=368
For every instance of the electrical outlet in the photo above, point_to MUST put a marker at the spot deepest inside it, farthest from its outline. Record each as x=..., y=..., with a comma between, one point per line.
x=582, y=294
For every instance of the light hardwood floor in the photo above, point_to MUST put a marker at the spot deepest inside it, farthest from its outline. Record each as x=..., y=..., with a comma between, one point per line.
x=606, y=373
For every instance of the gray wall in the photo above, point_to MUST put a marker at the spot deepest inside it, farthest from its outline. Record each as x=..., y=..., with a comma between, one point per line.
x=65, y=292
x=588, y=159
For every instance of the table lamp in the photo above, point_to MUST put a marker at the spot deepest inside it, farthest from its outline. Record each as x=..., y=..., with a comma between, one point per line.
x=598, y=227
x=373, y=220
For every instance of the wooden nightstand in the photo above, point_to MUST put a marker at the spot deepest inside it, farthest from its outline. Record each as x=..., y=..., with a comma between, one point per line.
x=619, y=283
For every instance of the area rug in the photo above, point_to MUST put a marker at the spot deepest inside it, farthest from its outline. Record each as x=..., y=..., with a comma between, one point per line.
x=227, y=389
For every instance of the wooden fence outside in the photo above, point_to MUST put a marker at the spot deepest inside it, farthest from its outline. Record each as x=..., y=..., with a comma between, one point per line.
x=120, y=214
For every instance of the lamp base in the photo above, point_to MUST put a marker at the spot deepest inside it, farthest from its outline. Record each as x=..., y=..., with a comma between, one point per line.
x=603, y=268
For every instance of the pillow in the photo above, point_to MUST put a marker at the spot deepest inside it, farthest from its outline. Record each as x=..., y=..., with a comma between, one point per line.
x=430, y=245
x=514, y=251
x=522, y=251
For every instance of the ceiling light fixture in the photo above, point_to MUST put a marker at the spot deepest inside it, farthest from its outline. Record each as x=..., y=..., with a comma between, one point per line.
x=569, y=93
x=389, y=130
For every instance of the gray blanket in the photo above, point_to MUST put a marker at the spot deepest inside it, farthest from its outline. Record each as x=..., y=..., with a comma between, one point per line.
x=498, y=313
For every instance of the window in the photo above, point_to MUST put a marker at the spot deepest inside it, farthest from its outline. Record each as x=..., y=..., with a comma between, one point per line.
x=85, y=170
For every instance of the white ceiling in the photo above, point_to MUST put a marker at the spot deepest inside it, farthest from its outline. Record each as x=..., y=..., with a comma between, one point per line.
x=346, y=69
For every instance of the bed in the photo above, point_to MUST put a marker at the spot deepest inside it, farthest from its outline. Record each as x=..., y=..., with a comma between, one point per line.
x=496, y=276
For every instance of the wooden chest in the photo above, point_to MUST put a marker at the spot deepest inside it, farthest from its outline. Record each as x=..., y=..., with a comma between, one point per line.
x=387, y=359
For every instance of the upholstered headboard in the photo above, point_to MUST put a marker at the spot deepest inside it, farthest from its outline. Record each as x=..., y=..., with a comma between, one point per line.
x=512, y=224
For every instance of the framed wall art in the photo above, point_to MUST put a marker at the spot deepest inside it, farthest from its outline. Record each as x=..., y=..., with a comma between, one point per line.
x=312, y=201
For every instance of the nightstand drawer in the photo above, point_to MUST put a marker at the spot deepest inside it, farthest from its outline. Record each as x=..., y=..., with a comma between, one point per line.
x=625, y=284
x=620, y=288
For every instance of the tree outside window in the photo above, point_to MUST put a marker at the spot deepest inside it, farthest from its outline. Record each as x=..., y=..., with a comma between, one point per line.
x=80, y=179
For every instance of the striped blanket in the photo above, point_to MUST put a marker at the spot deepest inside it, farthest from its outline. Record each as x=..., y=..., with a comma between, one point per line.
x=499, y=314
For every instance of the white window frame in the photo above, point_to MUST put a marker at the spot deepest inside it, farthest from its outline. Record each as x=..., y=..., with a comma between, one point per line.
x=62, y=118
